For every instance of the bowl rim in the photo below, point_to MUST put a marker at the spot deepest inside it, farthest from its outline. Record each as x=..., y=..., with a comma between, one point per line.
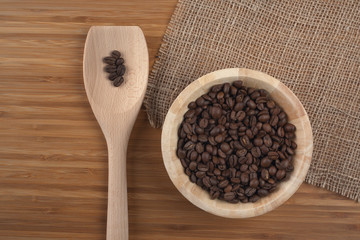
x=198, y=196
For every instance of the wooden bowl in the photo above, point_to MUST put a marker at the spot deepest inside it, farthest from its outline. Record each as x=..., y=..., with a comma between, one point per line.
x=283, y=97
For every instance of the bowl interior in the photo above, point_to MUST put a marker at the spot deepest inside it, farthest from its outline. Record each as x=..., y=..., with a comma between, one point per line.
x=287, y=101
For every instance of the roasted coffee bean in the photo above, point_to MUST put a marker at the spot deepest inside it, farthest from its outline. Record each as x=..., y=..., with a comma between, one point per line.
x=214, y=195
x=110, y=69
x=272, y=171
x=254, y=183
x=280, y=174
x=235, y=138
x=200, y=174
x=265, y=174
x=205, y=157
x=289, y=127
x=258, y=142
x=267, y=141
x=120, y=70
x=254, y=198
x=250, y=191
x=273, y=155
x=192, y=166
x=265, y=162
x=115, y=54
x=119, y=61
x=244, y=178
x=262, y=192
x=206, y=181
x=109, y=60
x=223, y=184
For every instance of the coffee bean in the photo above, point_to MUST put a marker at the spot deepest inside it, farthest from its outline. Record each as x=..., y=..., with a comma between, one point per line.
x=273, y=155
x=223, y=184
x=264, y=174
x=255, y=151
x=215, y=112
x=205, y=157
x=280, y=174
x=115, y=54
x=119, y=61
x=214, y=195
x=244, y=178
x=235, y=142
x=200, y=174
x=267, y=141
x=258, y=142
x=254, y=183
x=262, y=192
x=289, y=127
x=120, y=70
x=206, y=181
x=264, y=118
x=250, y=191
x=110, y=69
x=265, y=162
x=109, y=60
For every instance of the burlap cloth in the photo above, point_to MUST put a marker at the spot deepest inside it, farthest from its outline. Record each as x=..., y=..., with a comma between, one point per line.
x=311, y=46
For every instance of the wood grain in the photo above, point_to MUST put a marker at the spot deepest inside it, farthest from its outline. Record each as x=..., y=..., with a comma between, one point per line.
x=53, y=156
x=116, y=108
x=281, y=95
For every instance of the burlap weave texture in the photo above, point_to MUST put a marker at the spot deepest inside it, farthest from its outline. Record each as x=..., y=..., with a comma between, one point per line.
x=311, y=46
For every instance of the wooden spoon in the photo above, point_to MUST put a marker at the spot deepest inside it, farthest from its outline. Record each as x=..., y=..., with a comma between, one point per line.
x=116, y=108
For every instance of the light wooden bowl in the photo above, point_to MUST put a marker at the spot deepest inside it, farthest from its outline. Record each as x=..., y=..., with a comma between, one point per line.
x=296, y=115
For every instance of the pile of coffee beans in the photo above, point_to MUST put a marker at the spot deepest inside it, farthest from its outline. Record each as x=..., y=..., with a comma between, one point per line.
x=115, y=67
x=236, y=143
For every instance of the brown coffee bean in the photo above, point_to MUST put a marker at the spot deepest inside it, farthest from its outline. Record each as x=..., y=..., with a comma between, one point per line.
x=265, y=162
x=229, y=196
x=223, y=184
x=193, y=156
x=214, y=195
x=120, y=70
x=258, y=142
x=250, y=191
x=188, y=172
x=225, y=147
x=254, y=198
x=265, y=174
x=109, y=60
x=235, y=180
x=255, y=151
x=110, y=69
x=267, y=141
x=119, y=61
x=192, y=166
x=280, y=174
x=272, y=171
x=251, y=104
x=274, y=120
x=262, y=192
x=206, y=181
x=264, y=118
x=200, y=174
x=280, y=132
x=215, y=112
x=273, y=155
x=254, y=183
x=289, y=127
x=116, y=54
x=244, y=177
x=205, y=157
x=228, y=188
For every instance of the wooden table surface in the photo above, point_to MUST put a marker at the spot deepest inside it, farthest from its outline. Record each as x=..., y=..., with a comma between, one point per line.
x=53, y=156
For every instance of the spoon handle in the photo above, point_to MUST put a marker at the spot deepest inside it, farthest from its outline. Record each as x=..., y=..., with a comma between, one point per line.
x=117, y=212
